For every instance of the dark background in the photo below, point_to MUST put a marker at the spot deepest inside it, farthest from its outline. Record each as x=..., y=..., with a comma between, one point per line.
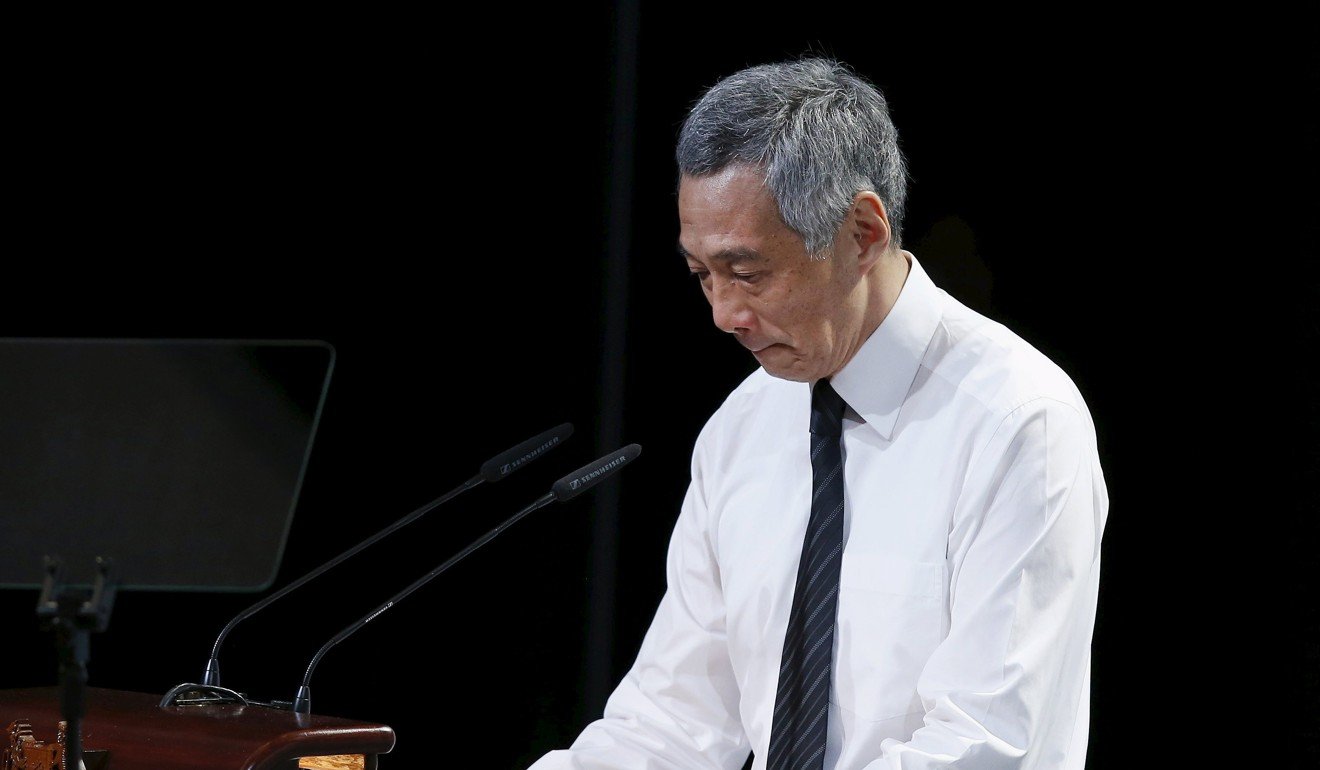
x=452, y=204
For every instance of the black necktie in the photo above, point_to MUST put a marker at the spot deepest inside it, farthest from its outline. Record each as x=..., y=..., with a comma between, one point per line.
x=797, y=732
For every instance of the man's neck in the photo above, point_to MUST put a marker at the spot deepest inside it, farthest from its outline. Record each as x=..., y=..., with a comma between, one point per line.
x=887, y=281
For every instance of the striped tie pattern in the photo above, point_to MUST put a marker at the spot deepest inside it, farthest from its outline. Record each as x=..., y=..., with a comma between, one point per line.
x=797, y=731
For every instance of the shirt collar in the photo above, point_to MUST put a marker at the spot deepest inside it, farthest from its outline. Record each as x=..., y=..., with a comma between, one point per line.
x=877, y=379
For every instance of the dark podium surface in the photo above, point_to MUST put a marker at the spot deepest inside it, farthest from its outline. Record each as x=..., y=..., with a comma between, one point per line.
x=139, y=734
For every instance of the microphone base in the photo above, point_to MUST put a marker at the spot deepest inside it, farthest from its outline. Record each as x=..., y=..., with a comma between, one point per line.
x=303, y=703
x=212, y=675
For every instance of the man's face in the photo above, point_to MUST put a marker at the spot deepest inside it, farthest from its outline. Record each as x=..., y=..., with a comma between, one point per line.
x=796, y=315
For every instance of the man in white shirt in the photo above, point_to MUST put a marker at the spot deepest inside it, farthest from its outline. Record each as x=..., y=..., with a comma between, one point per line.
x=963, y=590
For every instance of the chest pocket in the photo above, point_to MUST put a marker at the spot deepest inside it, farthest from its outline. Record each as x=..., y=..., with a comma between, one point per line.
x=891, y=618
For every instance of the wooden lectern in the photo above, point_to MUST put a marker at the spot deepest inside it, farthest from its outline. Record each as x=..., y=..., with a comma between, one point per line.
x=138, y=734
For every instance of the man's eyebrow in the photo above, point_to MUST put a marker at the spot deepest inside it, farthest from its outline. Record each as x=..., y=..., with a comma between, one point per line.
x=728, y=256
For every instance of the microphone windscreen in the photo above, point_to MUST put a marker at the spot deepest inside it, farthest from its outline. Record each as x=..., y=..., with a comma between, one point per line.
x=588, y=476
x=510, y=460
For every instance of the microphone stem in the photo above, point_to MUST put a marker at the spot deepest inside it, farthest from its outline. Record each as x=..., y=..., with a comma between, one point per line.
x=302, y=703
x=212, y=675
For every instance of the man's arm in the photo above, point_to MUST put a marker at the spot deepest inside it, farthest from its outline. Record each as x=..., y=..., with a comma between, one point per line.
x=1005, y=688
x=678, y=705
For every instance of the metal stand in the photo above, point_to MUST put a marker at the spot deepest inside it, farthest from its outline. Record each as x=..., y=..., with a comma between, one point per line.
x=74, y=614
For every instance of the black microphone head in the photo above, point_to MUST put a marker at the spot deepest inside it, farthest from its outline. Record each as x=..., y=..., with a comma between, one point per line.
x=510, y=460
x=588, y=476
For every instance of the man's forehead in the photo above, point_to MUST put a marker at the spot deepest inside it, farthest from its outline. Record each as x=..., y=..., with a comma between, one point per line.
x=729, y=215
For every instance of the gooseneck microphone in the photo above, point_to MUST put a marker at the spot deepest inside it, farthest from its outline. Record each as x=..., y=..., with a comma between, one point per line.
x=567, y=488
x=494, y=469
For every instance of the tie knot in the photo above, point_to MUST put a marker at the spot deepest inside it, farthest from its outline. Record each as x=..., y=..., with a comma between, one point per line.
x=826, y=410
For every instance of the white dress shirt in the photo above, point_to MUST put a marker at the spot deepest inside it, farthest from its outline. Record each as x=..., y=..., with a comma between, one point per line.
x=974, y=508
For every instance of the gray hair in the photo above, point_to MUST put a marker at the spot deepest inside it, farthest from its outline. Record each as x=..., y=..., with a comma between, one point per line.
x=818, y=132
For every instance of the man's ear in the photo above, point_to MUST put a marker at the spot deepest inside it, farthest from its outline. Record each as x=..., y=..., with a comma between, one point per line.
x=868, y=230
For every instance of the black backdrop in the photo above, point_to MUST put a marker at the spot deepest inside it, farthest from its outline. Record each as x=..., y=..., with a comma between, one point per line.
x=434, y=198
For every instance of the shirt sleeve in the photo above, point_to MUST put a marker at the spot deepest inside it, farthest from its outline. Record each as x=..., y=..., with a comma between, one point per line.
x=678, y=704
x=1010, y=683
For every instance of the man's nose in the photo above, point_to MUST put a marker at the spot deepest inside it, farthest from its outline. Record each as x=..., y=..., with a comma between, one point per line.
x=730, y=309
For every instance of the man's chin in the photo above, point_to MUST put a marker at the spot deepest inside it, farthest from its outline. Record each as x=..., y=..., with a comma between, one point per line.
x=782, y=362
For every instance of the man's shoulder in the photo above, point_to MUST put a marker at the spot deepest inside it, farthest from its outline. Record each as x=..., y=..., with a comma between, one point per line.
x=758, y=383
x=987, y=361
x=757, y=390
x=756, y=396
